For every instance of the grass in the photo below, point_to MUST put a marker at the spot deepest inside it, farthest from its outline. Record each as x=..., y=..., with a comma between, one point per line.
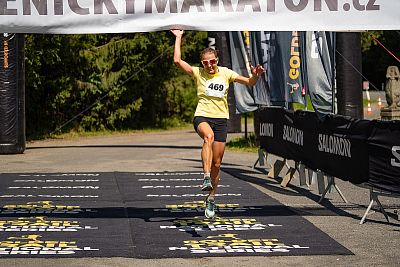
x=365, y=102
x=237, y=144
x=77, y=134
x=297, y=106
x=243, y=144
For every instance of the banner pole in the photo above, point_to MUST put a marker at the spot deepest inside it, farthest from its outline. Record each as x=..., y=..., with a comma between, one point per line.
x=333, y=64
x=246, y=37
x=348, y=69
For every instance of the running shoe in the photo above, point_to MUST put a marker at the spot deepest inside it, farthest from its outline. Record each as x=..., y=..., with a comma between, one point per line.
x=210, y=209
x=207, y=186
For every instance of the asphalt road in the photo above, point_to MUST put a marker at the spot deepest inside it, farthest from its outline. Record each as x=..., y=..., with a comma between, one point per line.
x=374, y=243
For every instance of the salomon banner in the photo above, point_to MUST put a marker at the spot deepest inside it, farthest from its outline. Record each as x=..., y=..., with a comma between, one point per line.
x=334, y=146
x=359, y=151
x=112, y=16
x=12, y=94
x=384, y=155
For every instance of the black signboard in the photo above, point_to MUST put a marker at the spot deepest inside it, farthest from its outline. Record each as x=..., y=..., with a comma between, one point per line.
x=359, y=151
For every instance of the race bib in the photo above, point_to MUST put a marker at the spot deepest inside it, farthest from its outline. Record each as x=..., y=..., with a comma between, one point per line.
x=216, y=88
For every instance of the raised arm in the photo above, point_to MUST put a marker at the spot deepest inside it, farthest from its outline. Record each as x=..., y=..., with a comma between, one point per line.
x=183, y=65
x=256, y=72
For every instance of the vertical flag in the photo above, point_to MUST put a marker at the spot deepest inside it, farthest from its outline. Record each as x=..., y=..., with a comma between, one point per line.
x=280, y=54
x=244, y=100
x=291, y=59
x=276, y=73
x=260, y=47
x=319, y=51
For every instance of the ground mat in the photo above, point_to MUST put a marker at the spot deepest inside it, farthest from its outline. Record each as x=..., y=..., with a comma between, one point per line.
x=147, y=215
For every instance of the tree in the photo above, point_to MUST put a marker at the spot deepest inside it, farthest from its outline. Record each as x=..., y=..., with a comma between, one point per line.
x=121, y=81
x=376, y=59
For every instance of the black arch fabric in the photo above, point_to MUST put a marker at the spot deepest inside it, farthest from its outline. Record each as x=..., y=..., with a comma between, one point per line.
x=147, y=215
x=12, y=94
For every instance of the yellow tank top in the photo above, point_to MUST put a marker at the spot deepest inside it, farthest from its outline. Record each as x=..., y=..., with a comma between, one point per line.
x=212, y=92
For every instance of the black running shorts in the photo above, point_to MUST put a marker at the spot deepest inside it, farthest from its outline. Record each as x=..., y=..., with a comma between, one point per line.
x=219, y=127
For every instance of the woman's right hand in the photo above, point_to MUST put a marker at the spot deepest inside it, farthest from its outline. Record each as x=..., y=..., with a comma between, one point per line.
x=177, y=33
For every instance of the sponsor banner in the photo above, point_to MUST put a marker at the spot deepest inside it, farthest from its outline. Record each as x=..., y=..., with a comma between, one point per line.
x=49, y=229
x=359, y=151
x=199, y=206
x=271, y=131
x=289, y=45
x=232, y=243
x=296, y=64
x=111, y=16
x=170, y=179
x=252, y=225
x=280, y=55
x=61, y=215
x=56, y=180
x=42, y=224
x=164, y=174
x=200, y=224
x=176, y=186
x=55, y=187
x=247, y=222
x=42, y=207
x=32, y=244
x=384, y=155
x=46, y=196
x=61, y=186
x=202, y=195
x=334, y=146
x=59, y=175
x=168, y=187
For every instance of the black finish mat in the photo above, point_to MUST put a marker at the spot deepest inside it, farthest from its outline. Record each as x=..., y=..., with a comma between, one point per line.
x=147, y=215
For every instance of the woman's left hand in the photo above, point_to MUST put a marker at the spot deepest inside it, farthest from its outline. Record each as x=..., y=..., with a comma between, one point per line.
x=257, y=71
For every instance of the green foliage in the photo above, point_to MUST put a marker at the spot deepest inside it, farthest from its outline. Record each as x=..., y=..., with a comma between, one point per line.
x=107, y=81
x=375, y=59
x=182, y=98
x=300, y=106
x=129, y=81
x=367, y=41
x=243, y=144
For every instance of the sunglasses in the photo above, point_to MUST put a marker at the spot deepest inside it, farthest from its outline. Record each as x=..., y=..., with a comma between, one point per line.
x=211, y=61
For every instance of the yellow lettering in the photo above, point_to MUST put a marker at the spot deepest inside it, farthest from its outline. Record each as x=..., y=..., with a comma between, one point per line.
x=6, y=54
x=293, y=73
